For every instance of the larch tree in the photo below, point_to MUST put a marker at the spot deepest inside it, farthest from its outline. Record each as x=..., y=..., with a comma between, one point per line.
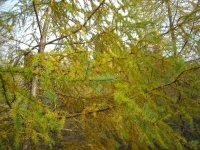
x=100, y=74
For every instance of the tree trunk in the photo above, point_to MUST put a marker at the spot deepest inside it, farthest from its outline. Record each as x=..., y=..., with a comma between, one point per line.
x=42, y=44
x=171, y=26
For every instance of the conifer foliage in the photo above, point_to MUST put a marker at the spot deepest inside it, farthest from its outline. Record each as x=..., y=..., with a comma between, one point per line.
x=100, y=74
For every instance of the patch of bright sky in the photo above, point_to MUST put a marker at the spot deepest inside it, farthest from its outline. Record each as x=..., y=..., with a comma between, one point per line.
x=7, y=5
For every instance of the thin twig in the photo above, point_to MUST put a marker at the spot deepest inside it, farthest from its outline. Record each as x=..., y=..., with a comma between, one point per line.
x=90, y=112
x=186, y=42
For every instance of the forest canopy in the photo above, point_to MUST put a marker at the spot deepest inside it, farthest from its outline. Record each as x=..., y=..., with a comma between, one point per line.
x=100, y=74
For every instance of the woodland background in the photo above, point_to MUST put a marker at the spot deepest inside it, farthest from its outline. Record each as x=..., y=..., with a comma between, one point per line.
x=100, y=74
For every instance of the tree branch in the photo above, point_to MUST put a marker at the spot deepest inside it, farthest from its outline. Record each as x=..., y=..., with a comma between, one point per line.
x=77, y=29
x=88, y=113
x=185, y=20
x=187, y=40
x=173, y=81
x=37, y=18
x=93, y=12
x=5, y=91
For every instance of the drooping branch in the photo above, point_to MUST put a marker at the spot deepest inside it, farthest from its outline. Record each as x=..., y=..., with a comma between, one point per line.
x=175, y=80
x=14, y=94
x=3, y=84
x=89, y=112
x=159, y=87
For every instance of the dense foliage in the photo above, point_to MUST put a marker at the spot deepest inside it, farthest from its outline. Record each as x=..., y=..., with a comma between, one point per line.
x=100, y=74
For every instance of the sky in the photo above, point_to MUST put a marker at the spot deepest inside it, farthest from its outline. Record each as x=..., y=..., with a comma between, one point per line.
x=7, y=5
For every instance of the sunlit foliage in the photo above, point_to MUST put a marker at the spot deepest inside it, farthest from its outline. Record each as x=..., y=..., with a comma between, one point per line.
x=120, y=75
